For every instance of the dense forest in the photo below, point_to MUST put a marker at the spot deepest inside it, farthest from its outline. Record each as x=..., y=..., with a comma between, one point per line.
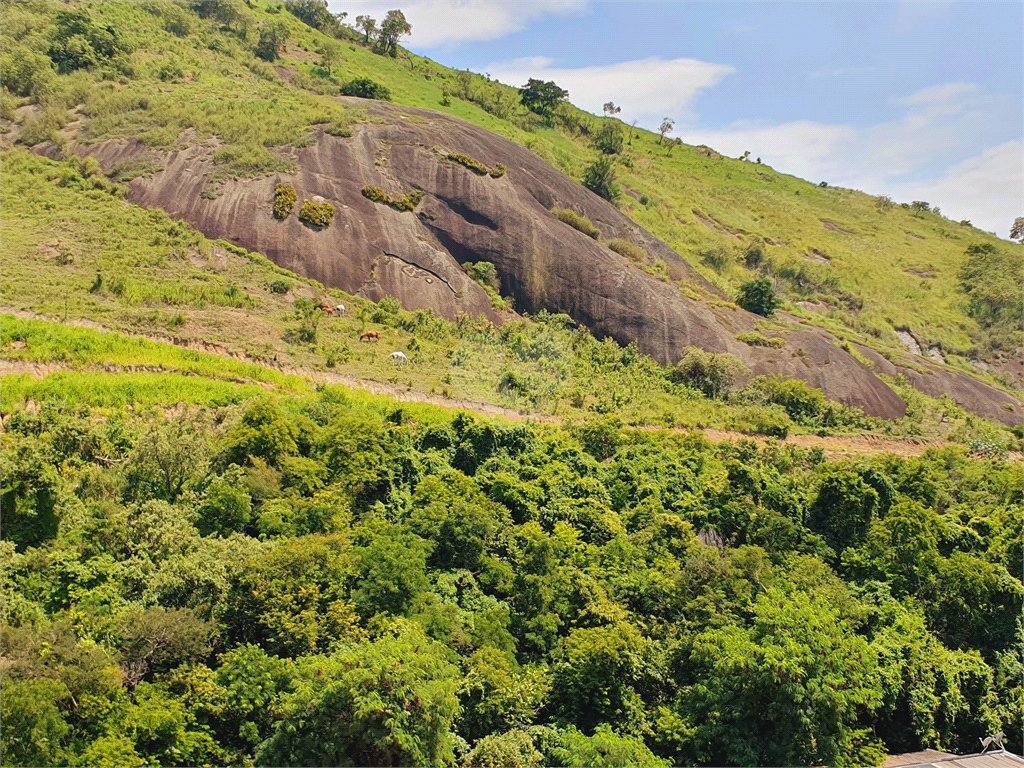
x=216, y=558
x=334, y=580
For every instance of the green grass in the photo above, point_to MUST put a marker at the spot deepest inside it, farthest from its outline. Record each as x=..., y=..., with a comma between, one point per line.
x=118, y=390
x=46, y=342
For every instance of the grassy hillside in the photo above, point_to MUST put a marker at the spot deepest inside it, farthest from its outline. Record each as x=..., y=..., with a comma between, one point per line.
x=75, y=251
x=862, y=266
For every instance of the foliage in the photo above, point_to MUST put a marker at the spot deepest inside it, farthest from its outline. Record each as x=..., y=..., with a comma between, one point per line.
x=316, y=214
x=542, y=98
x=600, y=178
x=710, y=372
x=392, y=29
x=757, y=339
x=498, y=171
x=285, y=198
x=608, y=138
x=406, y=202
x=474, y=165
x=365, y=88
x=759, y=297
x=627, y=249
x=574, y=220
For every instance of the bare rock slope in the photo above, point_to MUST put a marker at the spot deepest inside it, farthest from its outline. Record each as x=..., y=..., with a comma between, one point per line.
x=373, y=250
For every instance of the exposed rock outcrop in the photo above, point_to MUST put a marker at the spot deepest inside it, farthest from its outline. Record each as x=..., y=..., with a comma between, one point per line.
x=373, y=250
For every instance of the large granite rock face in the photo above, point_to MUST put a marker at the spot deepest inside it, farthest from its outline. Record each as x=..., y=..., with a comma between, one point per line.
x=373, y=250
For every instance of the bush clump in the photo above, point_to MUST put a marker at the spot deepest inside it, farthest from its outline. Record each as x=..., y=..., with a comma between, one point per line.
x=365, y=88
x=132, y=168
x=498, y=171
x=755, y=339
x=474, y=165
x=627, y=249
x=574, y=220
x=759, y=297
x=316, y=215
x=285, y=198
x=406, y=202
x=710, y=372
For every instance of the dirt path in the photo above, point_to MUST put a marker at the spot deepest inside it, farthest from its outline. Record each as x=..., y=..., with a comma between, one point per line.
x=834, y=447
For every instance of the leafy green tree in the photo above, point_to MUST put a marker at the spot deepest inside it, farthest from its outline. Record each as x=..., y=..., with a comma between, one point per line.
x=226, y=508
x=34, y=728
x=157, y=639
x=392, y=29
x=710, y=372
x=758, y=296
x=1017, y=230
x=264, y=432
x=844, y=508
x=608, y=138
x=541, y=98
x=253, y=683
x=596, y=674
x=25, y=72
x=512, y=749
x=499, y=694
x=369, y=27
x=330, y=55
x=168, y=458
x=665, y=128
x=365, y=88
x=291, y=600
x=28, y=494
x=273, y=36
x=390, y=572
x=389, y=702
x=788, y=690
x=605, y=749
x=932, y=696
x=600, y=178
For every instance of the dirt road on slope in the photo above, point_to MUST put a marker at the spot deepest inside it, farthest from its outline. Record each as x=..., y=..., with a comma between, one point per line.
x=834, y=447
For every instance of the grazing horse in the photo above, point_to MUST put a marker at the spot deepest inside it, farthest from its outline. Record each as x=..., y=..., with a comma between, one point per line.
x=328, y=309
x=399, y=358
x=340, y=310
x=369, y=336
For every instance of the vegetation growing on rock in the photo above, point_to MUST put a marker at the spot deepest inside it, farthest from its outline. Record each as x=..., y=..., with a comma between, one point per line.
x=285, y=198
x=316, y=214
x=574, y=220
x=627, y=249
x=406, y=202
x=760, y=340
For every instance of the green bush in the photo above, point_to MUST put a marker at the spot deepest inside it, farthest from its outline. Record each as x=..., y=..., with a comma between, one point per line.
x=600, y=177
x=474, y=165
x=710, y=372
x=316, y=215
x=132, y=168
x=759, y=297
x=771, y=421
x=574, y=220
x=627, y=249
x=608, y=138
x=407, y=202
x=755, y=339
x=365, y=88
x=285, y=198
x=498, y=171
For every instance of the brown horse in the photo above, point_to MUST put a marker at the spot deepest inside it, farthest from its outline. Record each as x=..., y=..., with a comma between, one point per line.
x=370, y=336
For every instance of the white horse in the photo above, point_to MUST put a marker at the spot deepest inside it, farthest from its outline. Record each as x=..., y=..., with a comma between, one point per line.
x=399, y=358
x=340, y=310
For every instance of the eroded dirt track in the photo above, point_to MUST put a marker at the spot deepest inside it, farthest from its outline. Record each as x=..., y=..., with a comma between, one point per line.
x=834, y=447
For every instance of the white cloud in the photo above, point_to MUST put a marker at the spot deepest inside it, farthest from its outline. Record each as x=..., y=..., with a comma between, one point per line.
x=907, y=159
x=646, y=89
x=437, y=23
x=988, y=189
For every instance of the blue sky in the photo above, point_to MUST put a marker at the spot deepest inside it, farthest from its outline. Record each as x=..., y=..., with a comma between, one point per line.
x=916, y=100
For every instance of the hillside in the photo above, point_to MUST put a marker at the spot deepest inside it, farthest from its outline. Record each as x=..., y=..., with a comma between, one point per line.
x=579, y=524
x=843, y=375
